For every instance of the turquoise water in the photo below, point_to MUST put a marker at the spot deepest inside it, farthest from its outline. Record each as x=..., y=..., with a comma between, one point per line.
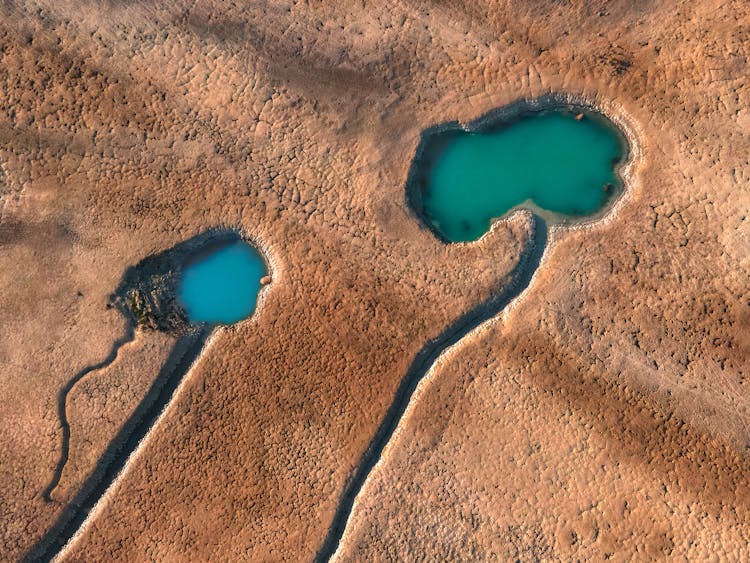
x=548, y=160
x=222, y=287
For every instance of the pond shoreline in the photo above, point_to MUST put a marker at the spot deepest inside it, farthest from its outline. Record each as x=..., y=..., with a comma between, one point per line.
x=542, y=238
x=612, y=118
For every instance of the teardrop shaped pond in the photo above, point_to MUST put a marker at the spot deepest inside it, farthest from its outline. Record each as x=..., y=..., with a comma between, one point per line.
x=559, y=163
x=221, y=285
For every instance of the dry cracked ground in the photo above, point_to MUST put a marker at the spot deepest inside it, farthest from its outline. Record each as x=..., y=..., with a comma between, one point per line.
x=604, y=415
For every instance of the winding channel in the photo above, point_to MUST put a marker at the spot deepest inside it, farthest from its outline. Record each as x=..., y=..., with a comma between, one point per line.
x=184, y=354
x=62, y=407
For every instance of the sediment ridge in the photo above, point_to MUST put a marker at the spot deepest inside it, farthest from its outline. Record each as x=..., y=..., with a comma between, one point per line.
x=521, y=277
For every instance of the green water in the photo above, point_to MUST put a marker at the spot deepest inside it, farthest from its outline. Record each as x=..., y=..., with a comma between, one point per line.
x=222, y=287
x=548, y=160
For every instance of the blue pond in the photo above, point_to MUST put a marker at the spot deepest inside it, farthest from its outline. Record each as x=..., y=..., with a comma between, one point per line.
x=557, y=162
x=222, y=286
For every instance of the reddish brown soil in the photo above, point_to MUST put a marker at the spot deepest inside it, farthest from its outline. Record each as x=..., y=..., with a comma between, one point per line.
x=607, y=413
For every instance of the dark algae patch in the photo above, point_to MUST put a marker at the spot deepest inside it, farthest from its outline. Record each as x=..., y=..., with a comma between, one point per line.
x=148, y=294
x=560, y=163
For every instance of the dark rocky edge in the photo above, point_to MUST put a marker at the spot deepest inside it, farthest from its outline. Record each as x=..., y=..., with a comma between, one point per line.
x=147, y=294
x=434, y=138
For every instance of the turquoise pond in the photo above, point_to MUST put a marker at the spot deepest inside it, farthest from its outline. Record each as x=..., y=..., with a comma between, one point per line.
x=221, y=286
x=557, y=162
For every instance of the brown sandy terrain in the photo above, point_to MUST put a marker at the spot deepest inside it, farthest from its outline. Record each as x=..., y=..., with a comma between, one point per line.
x=606, y=413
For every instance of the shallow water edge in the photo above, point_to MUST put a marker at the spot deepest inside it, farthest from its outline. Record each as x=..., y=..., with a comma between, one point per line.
x=614, y=120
